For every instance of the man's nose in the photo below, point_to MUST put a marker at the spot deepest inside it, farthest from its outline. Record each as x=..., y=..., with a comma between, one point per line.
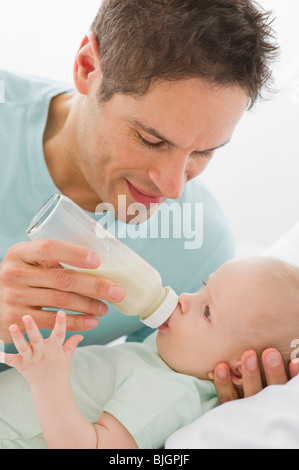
x=170, y=177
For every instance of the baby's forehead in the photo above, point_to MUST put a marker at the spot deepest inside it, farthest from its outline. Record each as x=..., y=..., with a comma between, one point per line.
x=240, y=268
x=246, y=268
x=244, y=280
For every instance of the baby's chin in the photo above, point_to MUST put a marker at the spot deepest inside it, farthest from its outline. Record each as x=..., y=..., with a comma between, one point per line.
x=164, y=350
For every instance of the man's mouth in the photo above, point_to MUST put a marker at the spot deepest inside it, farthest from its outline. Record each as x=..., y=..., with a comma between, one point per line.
x=144, y=198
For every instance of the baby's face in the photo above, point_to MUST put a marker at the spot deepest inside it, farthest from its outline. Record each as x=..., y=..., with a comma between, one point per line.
x=211, y=326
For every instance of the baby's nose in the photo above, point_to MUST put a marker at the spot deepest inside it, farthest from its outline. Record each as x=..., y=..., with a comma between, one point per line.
x=184, y=303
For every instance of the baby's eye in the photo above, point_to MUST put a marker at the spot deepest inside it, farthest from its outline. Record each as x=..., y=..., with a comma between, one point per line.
x=206, y=313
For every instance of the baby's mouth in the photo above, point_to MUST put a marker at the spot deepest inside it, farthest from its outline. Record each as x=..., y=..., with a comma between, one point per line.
x=164, y=326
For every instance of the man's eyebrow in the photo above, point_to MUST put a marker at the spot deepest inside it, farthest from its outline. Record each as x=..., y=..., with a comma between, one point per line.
x=152, y=131
x=155, y=133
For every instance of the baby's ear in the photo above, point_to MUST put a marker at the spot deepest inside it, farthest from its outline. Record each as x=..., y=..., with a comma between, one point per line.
x=236, y=373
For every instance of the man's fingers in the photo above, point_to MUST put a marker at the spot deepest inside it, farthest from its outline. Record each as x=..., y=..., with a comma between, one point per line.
x=225, y=388
x=60, y=283
x=50, y=298
x=46, y=320
x=274, y=367
x=84, y=284
x=274, y=370
x=294, y=368
x=251, y=375
x=46, y=251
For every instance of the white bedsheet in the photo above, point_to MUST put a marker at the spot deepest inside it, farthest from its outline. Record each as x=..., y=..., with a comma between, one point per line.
x=268, y=420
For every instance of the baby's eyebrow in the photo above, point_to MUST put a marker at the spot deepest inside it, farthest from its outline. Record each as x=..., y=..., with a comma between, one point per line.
x=205, y=283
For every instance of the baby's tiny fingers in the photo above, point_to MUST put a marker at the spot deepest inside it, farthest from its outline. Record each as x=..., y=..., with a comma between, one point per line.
x=71, y=344
x=59, y=330
x=20, y=342
x=34, y=335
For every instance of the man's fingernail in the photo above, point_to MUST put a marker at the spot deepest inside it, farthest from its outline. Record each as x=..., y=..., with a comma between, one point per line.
x=93, y=260
x=251, y=362
x=103, y=309
x=222, y=374
x=91, y=322
x=116, y=293
x=273, y=359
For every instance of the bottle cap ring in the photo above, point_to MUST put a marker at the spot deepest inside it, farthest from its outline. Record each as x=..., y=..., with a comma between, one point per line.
x=164, y=311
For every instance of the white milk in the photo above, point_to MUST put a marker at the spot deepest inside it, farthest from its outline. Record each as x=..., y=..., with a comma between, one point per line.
x=61, y=219
x=142, y=284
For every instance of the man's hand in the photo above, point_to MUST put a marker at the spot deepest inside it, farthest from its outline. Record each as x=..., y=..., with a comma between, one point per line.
x=274, y=370
x=32, y=280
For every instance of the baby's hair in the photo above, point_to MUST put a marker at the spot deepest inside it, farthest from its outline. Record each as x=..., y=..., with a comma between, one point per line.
x=286, y=303
x=282, y=270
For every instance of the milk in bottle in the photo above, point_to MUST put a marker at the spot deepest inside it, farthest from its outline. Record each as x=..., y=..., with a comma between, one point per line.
x=61, y=219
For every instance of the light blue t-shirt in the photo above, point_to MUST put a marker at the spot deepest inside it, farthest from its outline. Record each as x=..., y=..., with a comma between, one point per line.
x=25, y=185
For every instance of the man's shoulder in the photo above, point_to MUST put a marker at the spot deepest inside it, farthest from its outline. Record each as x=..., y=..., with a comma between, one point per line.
x=22, y=88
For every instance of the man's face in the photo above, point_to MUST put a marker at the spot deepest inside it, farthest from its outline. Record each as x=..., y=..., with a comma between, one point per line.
x=147, y=148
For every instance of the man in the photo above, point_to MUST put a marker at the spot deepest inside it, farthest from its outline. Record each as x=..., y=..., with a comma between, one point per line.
x=160, y=85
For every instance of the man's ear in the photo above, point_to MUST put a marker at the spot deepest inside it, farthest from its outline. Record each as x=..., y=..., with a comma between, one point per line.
x=236, y=373
x=87, y=62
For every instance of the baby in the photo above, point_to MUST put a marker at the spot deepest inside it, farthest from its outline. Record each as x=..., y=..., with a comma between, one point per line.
x=135, y=395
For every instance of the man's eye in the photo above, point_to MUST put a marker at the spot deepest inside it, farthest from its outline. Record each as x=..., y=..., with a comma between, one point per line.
x=206, y=312
x=151, y=145
x=205, y=154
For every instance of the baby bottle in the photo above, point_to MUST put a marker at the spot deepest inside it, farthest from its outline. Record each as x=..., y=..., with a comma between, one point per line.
x=61, y=219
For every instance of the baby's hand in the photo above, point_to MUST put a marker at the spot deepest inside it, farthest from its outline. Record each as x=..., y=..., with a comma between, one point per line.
x=42, y=361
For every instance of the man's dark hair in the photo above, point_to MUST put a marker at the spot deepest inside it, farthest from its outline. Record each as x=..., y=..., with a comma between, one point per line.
x=226, y=42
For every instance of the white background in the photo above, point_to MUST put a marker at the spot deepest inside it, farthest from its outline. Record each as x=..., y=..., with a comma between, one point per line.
x=255, y=177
